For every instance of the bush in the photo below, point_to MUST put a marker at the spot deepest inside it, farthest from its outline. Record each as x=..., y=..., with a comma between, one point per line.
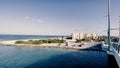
x=37, y=42
x=40, y=41
x=20, y=42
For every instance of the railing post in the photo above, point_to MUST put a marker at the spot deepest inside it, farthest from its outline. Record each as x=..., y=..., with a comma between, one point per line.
x=118, y=48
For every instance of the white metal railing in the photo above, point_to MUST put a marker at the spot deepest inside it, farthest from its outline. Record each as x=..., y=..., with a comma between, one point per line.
x=116, y=47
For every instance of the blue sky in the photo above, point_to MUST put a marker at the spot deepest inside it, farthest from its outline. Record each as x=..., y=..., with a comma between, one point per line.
x=57, y=17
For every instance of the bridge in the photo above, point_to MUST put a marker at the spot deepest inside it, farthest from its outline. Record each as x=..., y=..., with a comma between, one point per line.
x=112, y=48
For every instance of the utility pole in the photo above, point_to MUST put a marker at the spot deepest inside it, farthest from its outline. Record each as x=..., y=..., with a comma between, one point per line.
x=108, y=38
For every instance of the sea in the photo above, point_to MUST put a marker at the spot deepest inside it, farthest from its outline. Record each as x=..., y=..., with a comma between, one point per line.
x=4, y=37
x=26, y=57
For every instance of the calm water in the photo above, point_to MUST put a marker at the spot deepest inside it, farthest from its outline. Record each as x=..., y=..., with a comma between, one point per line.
x=25, y=57
x=18, y=37
x=22, y=57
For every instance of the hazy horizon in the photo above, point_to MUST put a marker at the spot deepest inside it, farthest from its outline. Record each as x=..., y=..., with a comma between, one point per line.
x=57, y=17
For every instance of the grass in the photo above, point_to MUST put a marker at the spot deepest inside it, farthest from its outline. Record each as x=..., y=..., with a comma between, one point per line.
x=40, y=41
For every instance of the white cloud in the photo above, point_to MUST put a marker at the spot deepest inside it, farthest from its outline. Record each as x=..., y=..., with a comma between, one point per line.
x=34, y=19
x=40, y=21
x=27, y=17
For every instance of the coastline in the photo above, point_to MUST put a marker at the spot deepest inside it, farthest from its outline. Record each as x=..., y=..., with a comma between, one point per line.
x=51, y=45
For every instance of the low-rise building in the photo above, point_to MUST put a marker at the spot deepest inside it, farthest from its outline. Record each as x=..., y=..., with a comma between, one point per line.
x=83, y=35
x=94, y=36
x=87, y=36
x=75, y=36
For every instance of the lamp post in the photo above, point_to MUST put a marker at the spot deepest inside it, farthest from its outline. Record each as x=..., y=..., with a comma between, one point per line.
x=108, y=34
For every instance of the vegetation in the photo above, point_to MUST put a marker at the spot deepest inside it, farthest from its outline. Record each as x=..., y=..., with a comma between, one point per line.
x=114, y=39
x=40, y=41
x=102, y=38
x=83, y=40
x=99, y=39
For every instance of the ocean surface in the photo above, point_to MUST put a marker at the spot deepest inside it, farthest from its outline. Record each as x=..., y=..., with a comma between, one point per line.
x=20, y=37
x=23, y=57
x=26, y=57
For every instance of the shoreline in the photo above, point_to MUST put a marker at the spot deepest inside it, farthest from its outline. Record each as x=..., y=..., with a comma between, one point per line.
x=51, y=45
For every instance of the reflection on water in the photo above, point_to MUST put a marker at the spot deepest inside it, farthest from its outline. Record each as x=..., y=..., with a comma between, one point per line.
x=22, y=57
x=83, y=59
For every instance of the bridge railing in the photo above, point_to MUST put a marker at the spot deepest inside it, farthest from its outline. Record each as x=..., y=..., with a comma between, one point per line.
x=116, y=47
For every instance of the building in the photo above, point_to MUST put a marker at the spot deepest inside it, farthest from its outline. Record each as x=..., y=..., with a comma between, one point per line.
x=87, y=36
x=94, y=36
x=75, y=36
x=82, y=36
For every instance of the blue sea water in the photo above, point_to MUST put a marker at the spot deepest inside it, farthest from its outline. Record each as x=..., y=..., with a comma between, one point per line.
x=19, y=37
x=25, y=57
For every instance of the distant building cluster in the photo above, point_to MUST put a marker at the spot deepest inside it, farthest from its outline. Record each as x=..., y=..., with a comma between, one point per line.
x=84, y=36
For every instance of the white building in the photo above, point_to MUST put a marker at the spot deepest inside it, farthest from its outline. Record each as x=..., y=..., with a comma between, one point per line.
x=87, y=36
x=94, y=36
x=75, y=36
x=82, y=36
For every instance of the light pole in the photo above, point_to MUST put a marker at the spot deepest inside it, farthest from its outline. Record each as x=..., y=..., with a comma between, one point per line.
x=108, y=38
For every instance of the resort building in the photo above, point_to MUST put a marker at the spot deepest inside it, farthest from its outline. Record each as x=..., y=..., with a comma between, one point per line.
x=82, y=36
x=75, y=36
x=87, y=36
x=94, y=36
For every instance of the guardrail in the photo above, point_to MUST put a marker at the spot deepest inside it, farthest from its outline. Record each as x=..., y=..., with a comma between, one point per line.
x=115, y=50
x=116, y=47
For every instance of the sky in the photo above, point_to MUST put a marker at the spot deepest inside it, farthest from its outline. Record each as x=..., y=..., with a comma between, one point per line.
x=57, y=17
